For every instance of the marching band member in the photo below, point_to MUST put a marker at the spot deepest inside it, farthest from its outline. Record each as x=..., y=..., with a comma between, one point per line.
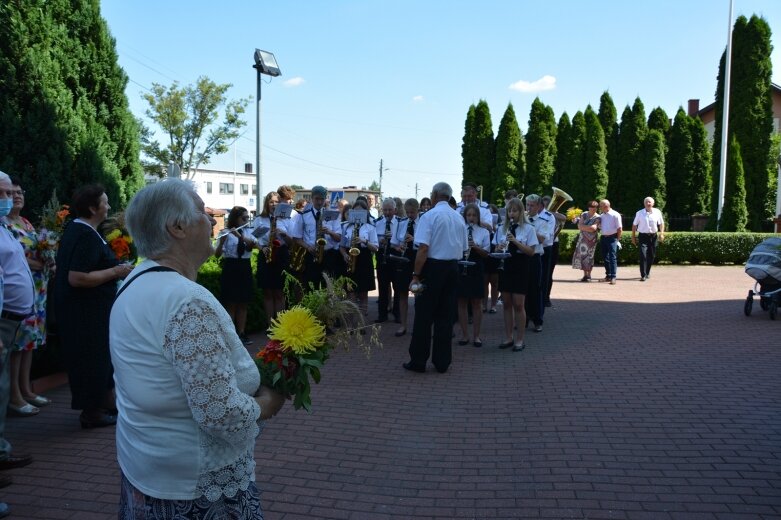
x=403, y=245
x=544, y=226
x=385, y=227
x=518, y=238
x=471, y=284
x=559, y=220
x=425, y=205
x=236, y=287
x=274, y=255
x=469, y=196
x=491, y=266
x=365, y=240
x=308, y=228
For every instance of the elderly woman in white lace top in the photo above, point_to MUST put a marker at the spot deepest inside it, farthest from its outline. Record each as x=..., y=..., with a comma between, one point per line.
x=188, y=392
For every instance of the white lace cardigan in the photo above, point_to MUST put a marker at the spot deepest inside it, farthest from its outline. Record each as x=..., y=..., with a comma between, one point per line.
x=187, y=419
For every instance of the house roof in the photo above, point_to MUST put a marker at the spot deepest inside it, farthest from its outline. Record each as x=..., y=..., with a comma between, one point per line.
x=712, y=106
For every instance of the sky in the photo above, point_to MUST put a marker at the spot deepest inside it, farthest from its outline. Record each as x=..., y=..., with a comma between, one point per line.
x=392, y=80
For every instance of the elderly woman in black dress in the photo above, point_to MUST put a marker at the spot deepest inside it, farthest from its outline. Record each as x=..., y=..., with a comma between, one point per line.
x=85, y=287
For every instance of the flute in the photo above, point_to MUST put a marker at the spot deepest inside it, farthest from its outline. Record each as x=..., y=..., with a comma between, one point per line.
x=225, y=232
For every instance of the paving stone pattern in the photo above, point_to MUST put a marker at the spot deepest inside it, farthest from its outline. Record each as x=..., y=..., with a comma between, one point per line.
x=652, y=400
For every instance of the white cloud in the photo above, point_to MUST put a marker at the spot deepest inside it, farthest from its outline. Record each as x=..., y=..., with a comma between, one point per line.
x=294, y=82
x=544, y=83
x=417, y=99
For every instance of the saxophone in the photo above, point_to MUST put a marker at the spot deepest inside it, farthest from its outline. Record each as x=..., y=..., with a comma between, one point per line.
x=320, y=242
x=354, y=252
x=273, y=241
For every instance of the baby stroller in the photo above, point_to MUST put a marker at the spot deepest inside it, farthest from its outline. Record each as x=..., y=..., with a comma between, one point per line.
x=764, y=266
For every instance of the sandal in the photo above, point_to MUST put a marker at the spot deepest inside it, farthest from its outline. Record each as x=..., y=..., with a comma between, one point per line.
x=492, y=311
x=518, y=348
x=506, y=345
x=27, y=410
x=38, y=400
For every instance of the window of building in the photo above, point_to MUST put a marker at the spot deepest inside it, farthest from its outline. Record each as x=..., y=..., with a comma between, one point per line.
x=254, y=190
x=226, y=188
x=244, y=189
x=208, y=187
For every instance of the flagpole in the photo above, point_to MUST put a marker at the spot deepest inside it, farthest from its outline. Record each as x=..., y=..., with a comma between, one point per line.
x=725, y=121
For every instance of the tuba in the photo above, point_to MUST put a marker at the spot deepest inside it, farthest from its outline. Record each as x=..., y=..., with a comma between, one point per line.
x=559, y=198
x=354, y=252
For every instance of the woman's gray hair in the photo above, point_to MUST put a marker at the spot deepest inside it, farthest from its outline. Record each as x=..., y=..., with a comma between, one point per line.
x=4, y=177
x=170, y=202
x=442, y=190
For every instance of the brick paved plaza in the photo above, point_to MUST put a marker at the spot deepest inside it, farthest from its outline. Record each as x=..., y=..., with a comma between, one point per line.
x=656, y=400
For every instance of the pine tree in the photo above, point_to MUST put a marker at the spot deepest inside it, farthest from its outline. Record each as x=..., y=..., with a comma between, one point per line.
x=678, y=167
x=540, y=148
x=563, y=175
x=508, y=141
x=652, y=168
x=64, y=120
x=608, y=118
x=594, y=159
x=735, y=213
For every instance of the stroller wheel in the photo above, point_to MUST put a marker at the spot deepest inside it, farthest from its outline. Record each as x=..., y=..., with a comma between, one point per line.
x=773, y=308
x=747, y=306
x=763, y=303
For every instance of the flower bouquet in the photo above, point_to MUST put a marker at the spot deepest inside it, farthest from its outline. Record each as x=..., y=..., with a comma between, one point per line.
x=53, y=218
x=118, y=239
x=301, y=338
x=574, y=213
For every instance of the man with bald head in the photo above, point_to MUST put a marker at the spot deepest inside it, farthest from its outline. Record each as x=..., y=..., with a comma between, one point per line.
x=649, y=224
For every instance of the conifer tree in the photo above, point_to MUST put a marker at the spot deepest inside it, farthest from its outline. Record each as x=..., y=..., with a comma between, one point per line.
x=578, y=189
x=608, y=118
x=700, y=177
x=678, y=167
x=540, y=148
x=508, y=141
x=594, y=160
x=484, y=146
x=632, y=132
x=64, y=119
x=468, y=145
x=563, y=175
x=659, y=120
x=735, y=213
x=652, y=169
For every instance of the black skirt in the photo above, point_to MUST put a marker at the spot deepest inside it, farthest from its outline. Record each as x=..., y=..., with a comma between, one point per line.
x=515, y=276
x=491, y=265
x=471, y=282
x=236, y=281
x=363, y=277
x=269, y=274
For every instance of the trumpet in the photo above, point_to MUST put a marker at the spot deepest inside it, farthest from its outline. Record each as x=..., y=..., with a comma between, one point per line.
x=354, y=252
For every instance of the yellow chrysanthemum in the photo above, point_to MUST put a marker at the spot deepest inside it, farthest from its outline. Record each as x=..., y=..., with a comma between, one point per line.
x=298, y=330
x=114, y=234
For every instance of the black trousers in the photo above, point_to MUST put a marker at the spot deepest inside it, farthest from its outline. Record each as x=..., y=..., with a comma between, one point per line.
x=534, y=304
x=386, y=278
x=434, y=309
x=647, y=252
x=313, y=272
x=554, y=259
x=545, y=272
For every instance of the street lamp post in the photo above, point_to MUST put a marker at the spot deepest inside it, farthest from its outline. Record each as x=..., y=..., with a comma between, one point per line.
x=265, y=63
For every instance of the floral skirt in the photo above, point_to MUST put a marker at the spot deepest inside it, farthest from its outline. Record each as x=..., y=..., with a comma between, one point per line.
x=134, y=505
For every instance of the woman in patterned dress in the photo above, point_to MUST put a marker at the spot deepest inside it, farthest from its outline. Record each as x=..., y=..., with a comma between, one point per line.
x=588, y=223
x=32, y=331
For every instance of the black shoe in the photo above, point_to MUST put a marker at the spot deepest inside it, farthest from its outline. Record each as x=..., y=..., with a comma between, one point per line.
x=17, y=461
x=506, y=345
x=381, y=319
x=245, y=339
x=412, y=368
x=100, y=422
x=477, y=344
x=463, y=342
x=400, y=333
x=548, y=304
x=441, y=370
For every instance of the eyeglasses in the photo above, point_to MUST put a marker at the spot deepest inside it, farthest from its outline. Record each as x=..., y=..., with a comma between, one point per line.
x=18, y=192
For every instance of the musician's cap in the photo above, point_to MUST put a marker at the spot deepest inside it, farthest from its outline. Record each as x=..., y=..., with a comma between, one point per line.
x=319, y=191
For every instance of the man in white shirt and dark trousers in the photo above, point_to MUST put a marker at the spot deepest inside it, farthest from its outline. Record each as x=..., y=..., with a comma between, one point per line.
x=649, y=223
x=306, y=229
x=386, y=227
x=441, y=242
x=610, y=226
x=539, y=266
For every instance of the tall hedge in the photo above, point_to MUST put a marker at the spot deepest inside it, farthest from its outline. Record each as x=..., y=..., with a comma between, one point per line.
x=735, y=213
x=563, y=176
x=540, y=148
x=594, y=160
x=508, y=147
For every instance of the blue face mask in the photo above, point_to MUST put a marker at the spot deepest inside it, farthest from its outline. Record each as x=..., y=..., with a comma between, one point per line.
x=5, y=206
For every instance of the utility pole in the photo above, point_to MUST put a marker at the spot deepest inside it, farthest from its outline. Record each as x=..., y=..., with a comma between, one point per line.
x=416, y=191
x=381, y=180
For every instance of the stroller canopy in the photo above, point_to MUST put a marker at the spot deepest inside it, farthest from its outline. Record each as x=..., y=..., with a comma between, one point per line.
x=764, y=262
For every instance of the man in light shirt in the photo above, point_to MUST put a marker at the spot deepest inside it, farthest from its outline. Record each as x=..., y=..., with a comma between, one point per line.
x=544, y=225
x=610, y=227
x=649, y=224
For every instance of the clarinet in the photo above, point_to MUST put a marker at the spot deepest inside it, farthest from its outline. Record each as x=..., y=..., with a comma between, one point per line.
x=386, y=245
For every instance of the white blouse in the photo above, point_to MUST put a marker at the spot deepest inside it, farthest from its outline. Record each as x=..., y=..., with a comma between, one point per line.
x=184, y=381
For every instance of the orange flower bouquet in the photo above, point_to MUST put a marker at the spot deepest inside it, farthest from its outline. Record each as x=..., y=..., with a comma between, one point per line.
x=118, y=239
x=53, y=218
